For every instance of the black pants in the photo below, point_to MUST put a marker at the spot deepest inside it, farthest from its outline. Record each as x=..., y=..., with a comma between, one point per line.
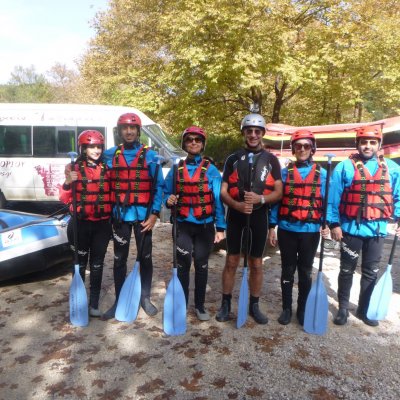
x=93, y=238
x=297, y=252
x=122, y=233
x=194, y=241
x=236, y=231
x=350, y=250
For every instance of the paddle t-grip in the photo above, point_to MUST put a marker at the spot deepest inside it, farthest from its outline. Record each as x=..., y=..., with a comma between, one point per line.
x=330, y=156
x=73, y=155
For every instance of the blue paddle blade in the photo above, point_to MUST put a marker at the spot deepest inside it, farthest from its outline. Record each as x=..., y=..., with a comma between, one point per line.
x=129, y=298
x=78, y=302
x=174, y=307
x=381, y=295
x=316, y=312
x=243, y=300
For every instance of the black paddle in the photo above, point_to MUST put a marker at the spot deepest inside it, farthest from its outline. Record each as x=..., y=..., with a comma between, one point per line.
x=78, y=302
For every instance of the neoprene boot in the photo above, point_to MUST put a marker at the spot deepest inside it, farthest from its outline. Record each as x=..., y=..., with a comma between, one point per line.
x=223, y=312
x=363, y=316
x=341, y=317
x=300, y=316
x=110, y=313
x=202, y=314
x=285, y=317
x=149, y=308
x=257, y=315
x=94, y=312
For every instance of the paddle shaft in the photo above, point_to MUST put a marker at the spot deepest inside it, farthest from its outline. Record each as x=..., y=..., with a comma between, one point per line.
x=393, y=248
x=148, y=210
x=74, y=212
x=174, y=210
x=325, y=210
x=248, y=188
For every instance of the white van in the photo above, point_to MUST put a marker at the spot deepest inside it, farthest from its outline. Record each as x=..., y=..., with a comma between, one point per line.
x=35, y=140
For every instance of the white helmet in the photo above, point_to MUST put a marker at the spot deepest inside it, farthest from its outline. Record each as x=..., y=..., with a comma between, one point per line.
x=255, y=120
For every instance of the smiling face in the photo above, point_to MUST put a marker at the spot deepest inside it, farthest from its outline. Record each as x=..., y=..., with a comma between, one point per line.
x=253, y=137
x=93, y=151
x=193, y=144
x=129, y=133
x=302, y=149
x=368, y=148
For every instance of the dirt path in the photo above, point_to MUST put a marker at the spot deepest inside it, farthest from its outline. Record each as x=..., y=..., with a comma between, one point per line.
x=43, y=357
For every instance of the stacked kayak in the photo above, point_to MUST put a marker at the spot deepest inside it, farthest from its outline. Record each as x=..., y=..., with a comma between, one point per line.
x=31, y=243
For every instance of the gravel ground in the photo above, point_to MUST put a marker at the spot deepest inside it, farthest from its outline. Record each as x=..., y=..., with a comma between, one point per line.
x=43, y=357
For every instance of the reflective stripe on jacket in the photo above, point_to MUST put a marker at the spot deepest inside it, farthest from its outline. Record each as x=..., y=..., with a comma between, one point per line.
x=194, y=192
x=302, y=200
x=369, y=197
x=131, y=184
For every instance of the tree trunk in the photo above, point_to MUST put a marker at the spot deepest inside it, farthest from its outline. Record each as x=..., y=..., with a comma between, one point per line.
x=279, y=100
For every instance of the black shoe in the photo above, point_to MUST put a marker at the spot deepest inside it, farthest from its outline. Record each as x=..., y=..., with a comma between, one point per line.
x=149, y=308
x=223, y=312
x=341, y=317
x=365, y=319
x=300, y=316
x=285, y=316
x=257, y=315
x=110, y=313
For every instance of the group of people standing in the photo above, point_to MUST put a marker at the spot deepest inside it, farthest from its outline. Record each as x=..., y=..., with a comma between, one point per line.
x=120, y=185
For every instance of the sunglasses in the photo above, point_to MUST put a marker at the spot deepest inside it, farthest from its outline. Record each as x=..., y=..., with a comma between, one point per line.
x=371, y=142
x=299, y=146
x=249, y=131
x=193, y=139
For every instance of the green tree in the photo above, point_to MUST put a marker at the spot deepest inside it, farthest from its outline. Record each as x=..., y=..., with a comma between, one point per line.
x=300, y=61
x=26, y=86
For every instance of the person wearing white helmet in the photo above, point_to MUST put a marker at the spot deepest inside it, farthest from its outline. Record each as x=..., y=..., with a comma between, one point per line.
x=266, y=189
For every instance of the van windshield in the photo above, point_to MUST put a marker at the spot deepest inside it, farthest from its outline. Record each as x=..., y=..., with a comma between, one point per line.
x=158, y=136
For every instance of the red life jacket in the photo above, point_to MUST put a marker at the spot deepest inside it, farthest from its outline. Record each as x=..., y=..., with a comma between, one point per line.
x=302, y=200
x=262, y=181
x=368, y=197
x=93, y=192
x=194, y=192
x=131, y=184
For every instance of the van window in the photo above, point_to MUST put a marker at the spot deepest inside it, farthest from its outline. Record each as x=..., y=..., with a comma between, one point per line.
x=66, y=141
x=15, y=141
x=44, y=141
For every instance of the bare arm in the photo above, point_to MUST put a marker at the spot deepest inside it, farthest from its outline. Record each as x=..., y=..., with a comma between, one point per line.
x=240, y=206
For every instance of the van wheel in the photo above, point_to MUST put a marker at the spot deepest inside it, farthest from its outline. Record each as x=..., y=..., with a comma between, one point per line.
x=3, y=200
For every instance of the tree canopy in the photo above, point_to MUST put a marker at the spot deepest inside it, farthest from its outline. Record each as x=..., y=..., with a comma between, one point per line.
x=58, y=85
x=207, y=62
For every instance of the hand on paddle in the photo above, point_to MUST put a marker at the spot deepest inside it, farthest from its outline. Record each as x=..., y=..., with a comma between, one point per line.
x=250, y=198
x=325, y=232
x=172, y=200
x=70, y=176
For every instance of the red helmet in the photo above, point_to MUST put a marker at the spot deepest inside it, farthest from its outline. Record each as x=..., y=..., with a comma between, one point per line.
x=129, y=119
x=196, y=130
x=303, y=134
x=90, y=137
x=371, y=132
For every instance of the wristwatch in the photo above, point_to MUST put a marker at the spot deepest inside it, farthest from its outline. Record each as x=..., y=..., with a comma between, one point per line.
x=262, y=199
